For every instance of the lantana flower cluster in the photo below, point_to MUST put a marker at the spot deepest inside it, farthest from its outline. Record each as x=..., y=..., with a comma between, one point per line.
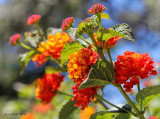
x=131, y=67
x=14, y=39
x=67, y=23
x=52, y=47
x=79, y=64
x=47, y=86
x=96, y=9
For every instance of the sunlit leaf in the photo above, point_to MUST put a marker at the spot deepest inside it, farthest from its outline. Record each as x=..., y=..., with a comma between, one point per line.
x=68, y=49
x=147, y=94
x=99, y=75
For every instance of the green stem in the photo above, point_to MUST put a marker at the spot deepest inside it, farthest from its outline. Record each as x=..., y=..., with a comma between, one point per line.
x=99, y=19
x=109, y=55
x=25, y=46
x=100, y=27
x=86, y=41
x=97, y=47
x=64, y=93
x=130, y=102
x=103, y=104
x=41, y=31
x=138, y=86
x=102, y=99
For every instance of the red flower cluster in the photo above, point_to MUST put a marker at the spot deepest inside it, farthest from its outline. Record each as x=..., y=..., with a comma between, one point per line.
x=47, y=87
x=132, y=66
x=33, y=19
x=96, y=9
x=67, y=23
x=14, y=39
x=39, y=59
x=79, y=65
x=109, y=43
x=84, y=96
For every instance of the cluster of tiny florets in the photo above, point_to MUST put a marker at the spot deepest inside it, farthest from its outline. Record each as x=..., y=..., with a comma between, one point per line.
x=131, y=67
x=96, y=9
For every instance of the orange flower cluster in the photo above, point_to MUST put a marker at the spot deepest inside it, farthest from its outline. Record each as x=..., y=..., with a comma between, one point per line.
x=42, y=108
x=79, y=65
x=109, y=43
x=52, y=47
x=96, y=9
x=86, y=113
x=14, y=39
x=47, y=87
x=33, y=19
x=39, y=59
x=67, y=23
x=132, y=66
x=28, y=116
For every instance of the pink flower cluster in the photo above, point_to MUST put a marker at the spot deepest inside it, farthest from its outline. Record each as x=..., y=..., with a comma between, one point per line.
x=67, y=23
x=96, y=9
x=14, y=39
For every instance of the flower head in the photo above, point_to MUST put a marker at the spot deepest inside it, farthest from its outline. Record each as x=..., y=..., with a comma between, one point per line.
x=84, y=96
x=131, y=66
x=47, y=87
x=39, y=59
x=153, y=117
x=80, y=63
x=28, y=116
x=33, y=19
x=67, y=23
x=86, y=113
x=96, y=9
x=42, y=108
x=54, y=45
x=14, y=39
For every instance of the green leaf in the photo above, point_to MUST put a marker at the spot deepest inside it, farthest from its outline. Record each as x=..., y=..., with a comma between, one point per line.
x=110, y=115
x=126, y=30
x=24, y=59
x=72, y=33
x=123, y=116
x=67, y=110
x=104, y=16
x=147, y=94
x=99, y=75
x=103, y=115
x=52, y=69
x=106, y=34
x=68, y=49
